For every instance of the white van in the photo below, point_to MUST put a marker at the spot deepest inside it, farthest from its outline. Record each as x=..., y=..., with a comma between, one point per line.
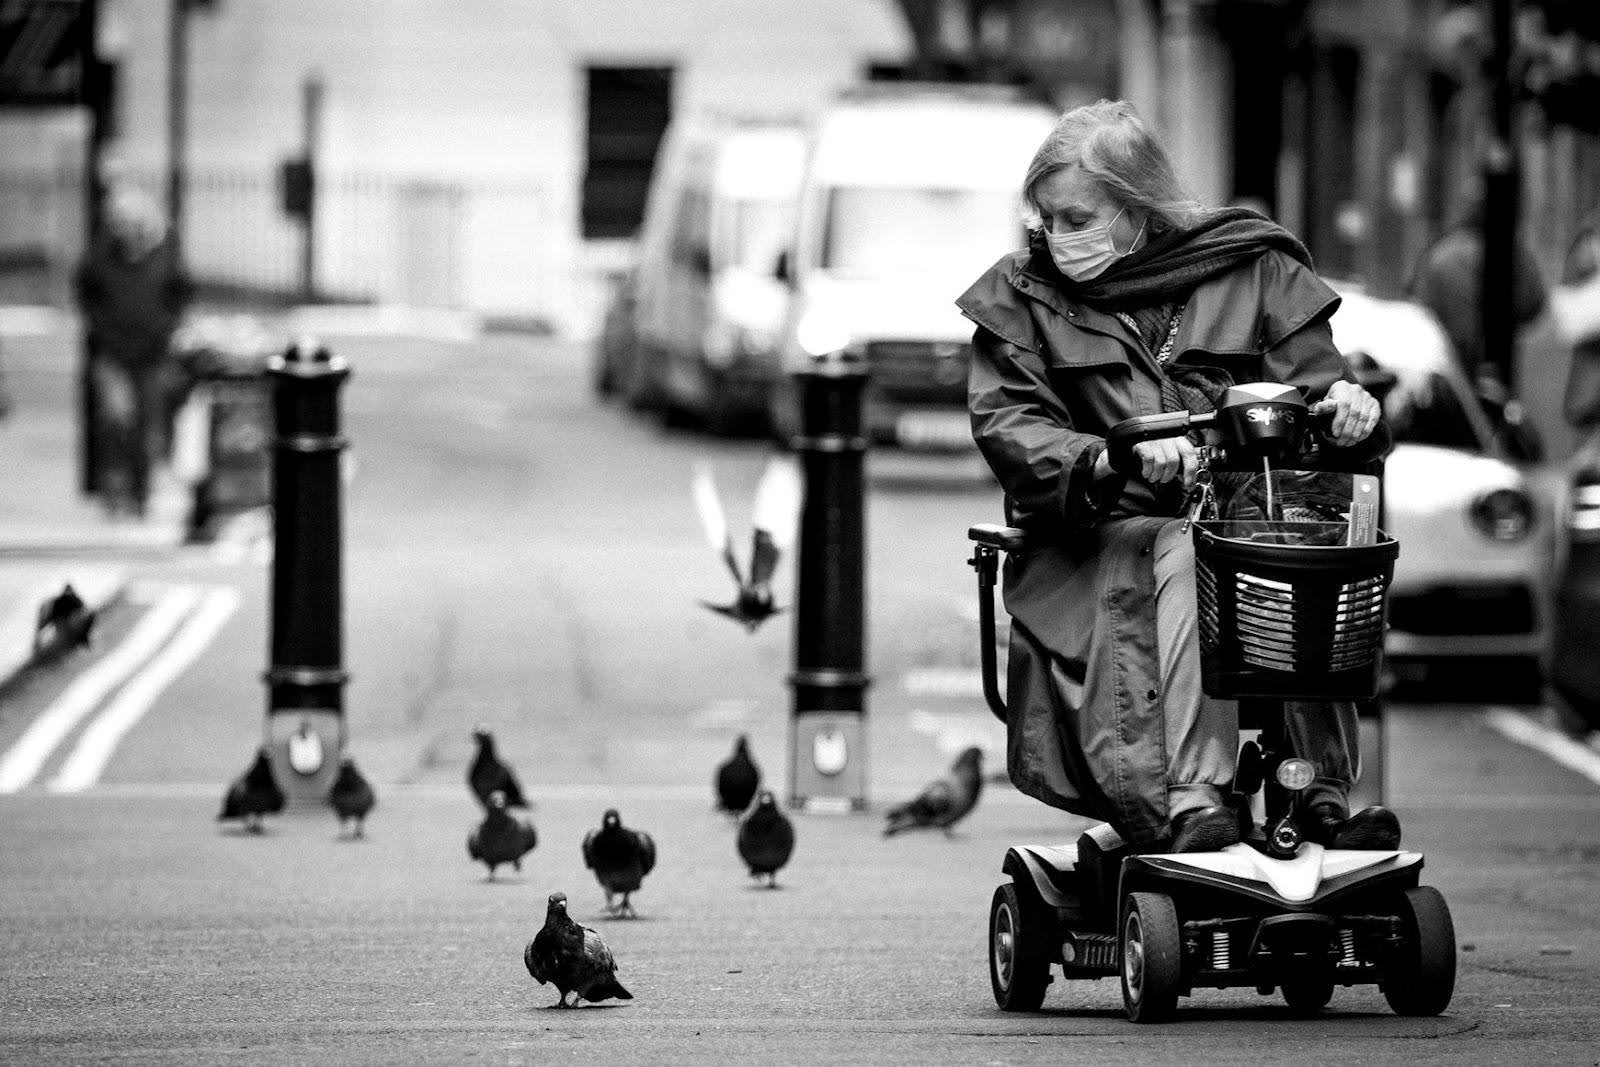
x=708, y=307
x=910, y=193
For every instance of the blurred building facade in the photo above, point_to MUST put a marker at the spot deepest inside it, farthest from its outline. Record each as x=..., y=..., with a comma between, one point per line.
x=493, y=157
x=489, y=156
x=1360, y=124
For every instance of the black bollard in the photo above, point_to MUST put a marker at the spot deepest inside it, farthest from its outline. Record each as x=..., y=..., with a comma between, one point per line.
x=827, y=752
x=306, y=676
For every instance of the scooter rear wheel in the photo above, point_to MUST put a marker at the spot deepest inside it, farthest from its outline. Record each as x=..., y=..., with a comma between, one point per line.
x=1152, y=957
x=1019, y=967
x=1422, y=975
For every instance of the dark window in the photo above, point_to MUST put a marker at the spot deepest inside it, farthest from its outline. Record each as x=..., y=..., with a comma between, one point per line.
x=628, y=112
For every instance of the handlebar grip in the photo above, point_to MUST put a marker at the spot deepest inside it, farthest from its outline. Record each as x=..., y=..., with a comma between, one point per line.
x=1319, y=429
x=1129, y=432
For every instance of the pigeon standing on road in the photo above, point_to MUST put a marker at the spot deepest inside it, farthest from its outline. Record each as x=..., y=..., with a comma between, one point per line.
x=489, y=774
x=351, y=797
x=573, y=957
x=944, y=802
x=775, y=515
x=253, y=794
x=766, y=839
x=737, y=779
x=501, y=837
x=64, y=622
x=620, y=858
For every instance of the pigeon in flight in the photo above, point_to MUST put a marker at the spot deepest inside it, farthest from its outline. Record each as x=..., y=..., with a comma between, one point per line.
x=737, y=779
x=489, y=774
x=766, y=839
x=64, y=622
x=501, y=837
x=351, y=797
x=620, y=858
x=253, y=794
x=944, y=802
x=775, y=515
x=573, y=957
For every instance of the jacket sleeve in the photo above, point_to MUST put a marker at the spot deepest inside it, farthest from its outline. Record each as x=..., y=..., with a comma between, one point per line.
x=1025, y=433
x=1309, y=359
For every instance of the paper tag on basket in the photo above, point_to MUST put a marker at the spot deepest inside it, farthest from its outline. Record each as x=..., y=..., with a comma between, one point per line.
x=1363, y=509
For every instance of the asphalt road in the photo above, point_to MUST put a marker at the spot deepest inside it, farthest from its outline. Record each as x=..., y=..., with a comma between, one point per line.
x=521, y=556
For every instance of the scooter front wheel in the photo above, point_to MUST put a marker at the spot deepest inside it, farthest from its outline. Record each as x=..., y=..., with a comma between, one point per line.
x=1421, y=976
x=1019, y=969
x=1152, y=957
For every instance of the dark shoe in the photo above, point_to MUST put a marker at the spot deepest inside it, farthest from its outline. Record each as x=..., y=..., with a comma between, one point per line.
x=1374, y=829
x=1205, y=829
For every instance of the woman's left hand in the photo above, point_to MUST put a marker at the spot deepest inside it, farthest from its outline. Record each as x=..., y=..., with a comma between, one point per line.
x=1355, y=413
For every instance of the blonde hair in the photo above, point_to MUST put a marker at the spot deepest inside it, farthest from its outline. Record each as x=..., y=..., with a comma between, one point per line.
x=1113, y=145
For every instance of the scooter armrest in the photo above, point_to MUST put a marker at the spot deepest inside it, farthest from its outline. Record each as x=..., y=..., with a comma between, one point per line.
x=1005, y=538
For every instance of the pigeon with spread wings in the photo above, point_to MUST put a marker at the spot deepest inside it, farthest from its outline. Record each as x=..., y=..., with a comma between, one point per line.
x=775, y=514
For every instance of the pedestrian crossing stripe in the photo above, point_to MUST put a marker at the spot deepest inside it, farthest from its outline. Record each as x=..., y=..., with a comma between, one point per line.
x=114, y=692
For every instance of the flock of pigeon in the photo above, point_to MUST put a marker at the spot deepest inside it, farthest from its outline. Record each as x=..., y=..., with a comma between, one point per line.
x=572, y=957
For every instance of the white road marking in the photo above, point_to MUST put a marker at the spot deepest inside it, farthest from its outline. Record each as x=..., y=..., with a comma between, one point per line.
x=82, y=768
x=723, y=714
x=1525, y=730
x=33, y=749
x=944, y=682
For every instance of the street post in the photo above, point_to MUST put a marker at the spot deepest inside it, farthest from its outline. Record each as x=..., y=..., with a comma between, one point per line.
x=828, y=750
x=305, y=726
x=1501, y=196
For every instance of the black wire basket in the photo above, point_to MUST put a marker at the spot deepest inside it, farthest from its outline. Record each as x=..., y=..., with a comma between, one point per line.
x=1289, y=611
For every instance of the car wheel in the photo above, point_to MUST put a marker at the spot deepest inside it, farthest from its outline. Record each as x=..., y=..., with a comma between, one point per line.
x=1019, y=966
x=604, y=378
x=1421, y=975
x=783, y=413
x=644, y=389
x=1152, y=957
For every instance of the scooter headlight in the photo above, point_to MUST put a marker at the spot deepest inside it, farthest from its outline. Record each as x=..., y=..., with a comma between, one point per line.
x=1295, y=774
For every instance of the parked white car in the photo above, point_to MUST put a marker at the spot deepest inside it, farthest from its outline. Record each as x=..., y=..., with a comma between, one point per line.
x=1476, y=532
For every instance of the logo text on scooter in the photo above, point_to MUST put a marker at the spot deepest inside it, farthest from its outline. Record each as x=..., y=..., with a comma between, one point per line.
x=1267, y=416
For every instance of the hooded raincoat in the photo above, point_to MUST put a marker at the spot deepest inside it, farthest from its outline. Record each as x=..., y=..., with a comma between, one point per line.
x=1050, y=375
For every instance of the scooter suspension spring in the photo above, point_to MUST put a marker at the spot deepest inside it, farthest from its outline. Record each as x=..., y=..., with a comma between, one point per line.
x=1347, y=947
x=1220, y=958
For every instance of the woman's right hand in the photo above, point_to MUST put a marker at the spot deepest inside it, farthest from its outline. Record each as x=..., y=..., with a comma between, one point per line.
x=1166, y=458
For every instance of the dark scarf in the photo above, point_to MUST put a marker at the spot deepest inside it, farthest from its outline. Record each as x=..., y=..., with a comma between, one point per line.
x=1171, y=264
x=1153, y=283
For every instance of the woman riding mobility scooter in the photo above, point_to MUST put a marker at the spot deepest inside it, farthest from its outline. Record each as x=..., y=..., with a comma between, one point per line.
x=1291, y=583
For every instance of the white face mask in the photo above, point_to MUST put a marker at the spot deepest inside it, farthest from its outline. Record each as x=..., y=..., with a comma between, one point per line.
x=1086, y=253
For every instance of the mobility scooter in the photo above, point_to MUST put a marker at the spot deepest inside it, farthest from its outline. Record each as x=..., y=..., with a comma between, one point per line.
x=1291, y=604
